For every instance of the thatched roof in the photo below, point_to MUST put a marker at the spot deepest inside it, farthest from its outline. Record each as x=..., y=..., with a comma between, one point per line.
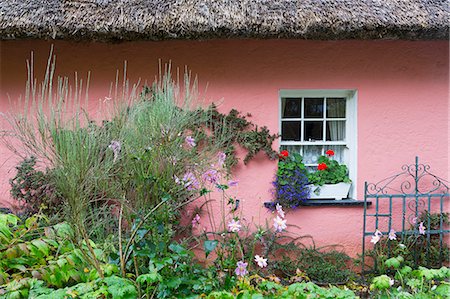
x=205, y=19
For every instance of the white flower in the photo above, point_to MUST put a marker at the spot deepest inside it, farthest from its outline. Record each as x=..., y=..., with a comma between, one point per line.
x=262, y=262
x=392, y=235
x=391, y=282
x=280, y=210
x=279, y=224
x=376, y=237
x=234, y=226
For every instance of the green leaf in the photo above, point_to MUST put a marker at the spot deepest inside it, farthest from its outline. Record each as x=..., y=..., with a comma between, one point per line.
x=393, y=262
x=209, y=246
x=42, y=246
x=380, y=282
x=443, y=289
x=149, y=278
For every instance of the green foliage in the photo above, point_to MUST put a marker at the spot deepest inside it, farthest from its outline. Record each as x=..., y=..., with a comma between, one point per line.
x=321, y=266
x=409, y=283
x=234, y=129
x=414, y=249
x=33, y=188
x=260, y=288
x=31, y=250
x=333, y=174
x=109, y=287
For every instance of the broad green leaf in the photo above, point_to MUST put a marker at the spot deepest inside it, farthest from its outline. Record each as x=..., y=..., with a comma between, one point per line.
x=209, y=246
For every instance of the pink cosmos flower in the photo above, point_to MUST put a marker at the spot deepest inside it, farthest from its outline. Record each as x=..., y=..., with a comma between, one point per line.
x=241, y=269
x=196, y=220
x=211, y=176
x=279, y=224
x=280, y=211
x=262, y=262
x=221, y=157
x=234, y=226
x=190, y=141
x=392, y=235
x=421, y=228
x=376, y=237
x=190, y=181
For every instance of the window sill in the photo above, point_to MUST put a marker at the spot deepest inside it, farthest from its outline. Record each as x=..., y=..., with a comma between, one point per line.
x=330, y=203
x=333, y=202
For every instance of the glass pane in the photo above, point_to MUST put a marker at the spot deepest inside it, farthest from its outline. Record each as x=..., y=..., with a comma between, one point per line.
x=291, y=108
x=290, y=130
x=336, y=130
x=291, y=148
x=311, y=153
x=313, y=130
x=336, y=107
x=339, y=154
x=313, y=107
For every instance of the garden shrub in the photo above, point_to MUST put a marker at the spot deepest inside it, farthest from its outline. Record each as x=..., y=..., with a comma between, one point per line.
x=33, y=189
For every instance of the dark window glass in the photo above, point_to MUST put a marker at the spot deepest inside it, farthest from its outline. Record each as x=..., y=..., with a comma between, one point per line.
x=313, y=107
x=313, y=130
x=290, y=130
x=292, y=108
x=336, y=107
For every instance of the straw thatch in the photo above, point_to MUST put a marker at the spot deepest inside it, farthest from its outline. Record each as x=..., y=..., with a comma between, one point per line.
x=204, y=19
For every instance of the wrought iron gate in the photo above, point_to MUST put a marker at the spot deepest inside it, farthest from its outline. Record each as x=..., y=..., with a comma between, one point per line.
x=414, y=202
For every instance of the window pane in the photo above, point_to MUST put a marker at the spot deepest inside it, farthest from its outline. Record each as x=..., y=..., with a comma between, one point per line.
x=290, y=130
x=311, y=153
x=313, y=130
x=338, y=152
x=291, y=108
x=336, y=107
x=291, y=148
x=336, y=130
x=313, y=107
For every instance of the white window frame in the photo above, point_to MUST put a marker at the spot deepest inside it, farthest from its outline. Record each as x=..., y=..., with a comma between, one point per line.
x=351, y=129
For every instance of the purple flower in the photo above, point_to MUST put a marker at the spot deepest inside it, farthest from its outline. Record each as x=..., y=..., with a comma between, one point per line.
x=392, y=235
x=211, y=176
x=232, y=183
x=115, y=146
x=190, y=141
x=190, y=181
x=196, y=220
x=241, y=269
x=421, y=228
x=221, y=157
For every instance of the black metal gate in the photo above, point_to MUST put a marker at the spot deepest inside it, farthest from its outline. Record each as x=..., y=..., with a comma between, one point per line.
x=409, y=213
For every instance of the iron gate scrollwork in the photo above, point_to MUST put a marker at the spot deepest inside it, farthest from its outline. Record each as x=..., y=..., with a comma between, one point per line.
x=409, y=208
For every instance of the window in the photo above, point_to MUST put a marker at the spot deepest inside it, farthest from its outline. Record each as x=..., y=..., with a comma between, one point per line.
x=312, y=121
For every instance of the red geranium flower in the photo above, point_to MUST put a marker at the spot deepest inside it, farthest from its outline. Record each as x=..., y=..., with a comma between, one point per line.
x=322, y=166
x=283, y=154
x=329, y=153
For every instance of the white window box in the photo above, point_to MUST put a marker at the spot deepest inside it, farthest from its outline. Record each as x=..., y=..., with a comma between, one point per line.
x=328, y=191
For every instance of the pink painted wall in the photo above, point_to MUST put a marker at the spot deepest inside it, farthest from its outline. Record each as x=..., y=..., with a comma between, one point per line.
x=403, y=102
